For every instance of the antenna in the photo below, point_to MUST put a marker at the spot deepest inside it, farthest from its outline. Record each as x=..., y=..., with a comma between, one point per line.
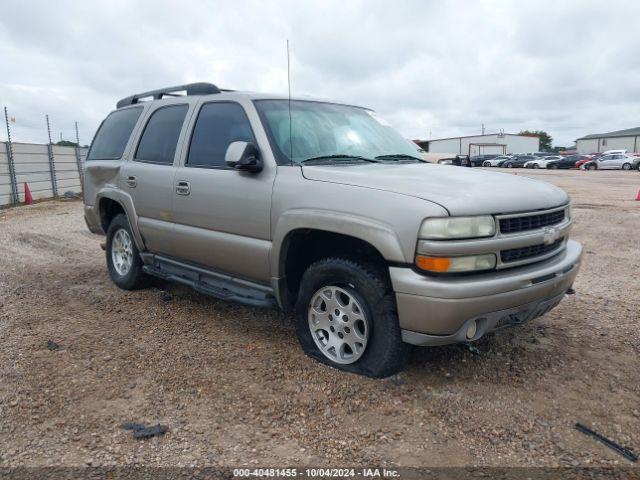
x=289, y=85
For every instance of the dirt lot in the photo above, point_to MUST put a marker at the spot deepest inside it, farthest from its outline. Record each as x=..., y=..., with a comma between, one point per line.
x=235, y=389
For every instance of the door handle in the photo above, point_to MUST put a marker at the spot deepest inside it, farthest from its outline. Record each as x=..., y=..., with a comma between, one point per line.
x=183, y=188
x=131, y=181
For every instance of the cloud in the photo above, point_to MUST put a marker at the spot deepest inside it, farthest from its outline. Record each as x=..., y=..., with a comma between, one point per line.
x=438, y=68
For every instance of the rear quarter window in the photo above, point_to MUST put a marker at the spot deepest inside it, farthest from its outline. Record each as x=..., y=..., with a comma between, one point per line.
x=113, y=135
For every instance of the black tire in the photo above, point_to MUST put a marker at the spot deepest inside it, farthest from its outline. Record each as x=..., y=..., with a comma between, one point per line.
x=486, y=164
x=509, y=165
x=592, y=167
x=535, y=165
x=134, y=278
x=626, y=166
x=552, y=167
x=385, y=352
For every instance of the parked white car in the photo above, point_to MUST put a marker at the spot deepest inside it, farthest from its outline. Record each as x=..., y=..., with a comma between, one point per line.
x=542, y=162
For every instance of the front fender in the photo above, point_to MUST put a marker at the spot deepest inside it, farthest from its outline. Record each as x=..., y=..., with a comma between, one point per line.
x=379, y=235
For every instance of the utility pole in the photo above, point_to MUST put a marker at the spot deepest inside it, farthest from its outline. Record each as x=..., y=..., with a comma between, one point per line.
x=483, y=129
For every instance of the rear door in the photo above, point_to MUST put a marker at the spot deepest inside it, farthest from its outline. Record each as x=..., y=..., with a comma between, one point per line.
x=148, y=176
x=223, y=216
x=619, y=160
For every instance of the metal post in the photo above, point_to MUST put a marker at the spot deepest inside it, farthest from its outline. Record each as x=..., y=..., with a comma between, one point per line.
x=78, y=159
x=52, y=167
x=12, y=170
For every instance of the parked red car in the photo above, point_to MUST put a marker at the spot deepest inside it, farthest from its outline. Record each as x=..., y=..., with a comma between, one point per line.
x=586, y=159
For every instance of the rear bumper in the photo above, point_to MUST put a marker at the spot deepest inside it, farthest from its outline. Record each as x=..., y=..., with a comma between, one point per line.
x=92, y=219
x=436, y=311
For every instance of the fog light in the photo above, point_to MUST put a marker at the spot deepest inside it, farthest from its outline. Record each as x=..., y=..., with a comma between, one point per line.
x=472, y=329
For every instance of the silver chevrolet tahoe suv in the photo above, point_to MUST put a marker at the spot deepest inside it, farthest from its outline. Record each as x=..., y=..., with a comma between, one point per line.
x=322, y=209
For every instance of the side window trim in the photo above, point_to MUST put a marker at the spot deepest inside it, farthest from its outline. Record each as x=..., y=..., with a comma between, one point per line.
x=192, y=129
x=147, y=118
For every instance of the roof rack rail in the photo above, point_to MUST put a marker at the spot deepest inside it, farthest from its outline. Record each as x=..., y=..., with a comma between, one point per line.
x=200, y=88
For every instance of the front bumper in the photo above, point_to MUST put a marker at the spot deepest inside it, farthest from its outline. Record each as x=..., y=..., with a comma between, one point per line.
x=438, y=310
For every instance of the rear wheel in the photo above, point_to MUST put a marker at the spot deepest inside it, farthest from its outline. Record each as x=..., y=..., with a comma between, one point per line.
x=346, y=318
x=592, y=167
x=123, y=257
x=509, y=165
x=486, y=164
x=626, y=166
x=552, y=167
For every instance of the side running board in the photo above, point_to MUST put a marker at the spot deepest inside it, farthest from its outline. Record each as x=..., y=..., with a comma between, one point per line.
x=208, y=282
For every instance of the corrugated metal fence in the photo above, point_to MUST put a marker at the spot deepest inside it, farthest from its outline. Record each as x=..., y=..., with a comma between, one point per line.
x=49, y=170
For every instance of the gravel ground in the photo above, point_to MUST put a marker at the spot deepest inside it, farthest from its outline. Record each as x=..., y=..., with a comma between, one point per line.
x=234, y=388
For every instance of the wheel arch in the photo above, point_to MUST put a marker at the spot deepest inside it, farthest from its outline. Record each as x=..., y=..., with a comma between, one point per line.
x=112, y=202
x=303, y=238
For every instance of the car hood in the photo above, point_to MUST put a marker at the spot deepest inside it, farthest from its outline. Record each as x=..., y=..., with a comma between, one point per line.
x=462, y=191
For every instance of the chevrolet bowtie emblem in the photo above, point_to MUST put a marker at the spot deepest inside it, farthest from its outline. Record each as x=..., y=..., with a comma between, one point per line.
x=550, y=235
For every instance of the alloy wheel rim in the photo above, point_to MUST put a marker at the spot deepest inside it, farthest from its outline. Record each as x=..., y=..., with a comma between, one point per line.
x=122, y=252
x=338, y=324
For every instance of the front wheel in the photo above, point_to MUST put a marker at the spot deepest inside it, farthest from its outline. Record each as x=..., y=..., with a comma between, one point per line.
x=123, y=257
x=592, y=167
x=486, y=164
x=346, y=318
x=626, y=166
x=535, y=165
x=509, y=165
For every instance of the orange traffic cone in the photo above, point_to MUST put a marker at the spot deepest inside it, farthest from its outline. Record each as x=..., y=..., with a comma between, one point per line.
x=638, y=196
x=28, y=199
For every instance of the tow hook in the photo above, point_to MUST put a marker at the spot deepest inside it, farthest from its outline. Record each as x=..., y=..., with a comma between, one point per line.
x=103, y=246
x=570, y=291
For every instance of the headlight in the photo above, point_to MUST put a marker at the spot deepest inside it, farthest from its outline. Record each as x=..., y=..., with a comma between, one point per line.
x=446, y=228
x=445, y=162
x=470, y=263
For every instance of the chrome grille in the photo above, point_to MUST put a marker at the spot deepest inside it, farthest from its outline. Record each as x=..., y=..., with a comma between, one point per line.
x=531, y=222
x=515, y=254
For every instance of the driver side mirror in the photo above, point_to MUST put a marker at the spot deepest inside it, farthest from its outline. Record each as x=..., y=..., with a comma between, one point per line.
x=244, y=156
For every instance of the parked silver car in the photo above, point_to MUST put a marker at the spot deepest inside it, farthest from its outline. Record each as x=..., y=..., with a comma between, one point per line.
x=614, y=161
x=323, y=209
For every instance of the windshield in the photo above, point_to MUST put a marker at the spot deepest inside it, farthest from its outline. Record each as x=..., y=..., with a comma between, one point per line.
x=321, y=130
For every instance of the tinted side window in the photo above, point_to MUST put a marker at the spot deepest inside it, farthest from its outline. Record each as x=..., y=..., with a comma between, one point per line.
x=218, y=125
x=160, y=138
x=113, y=134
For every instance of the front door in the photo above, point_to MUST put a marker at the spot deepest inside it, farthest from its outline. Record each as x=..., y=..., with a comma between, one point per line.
x=148, y=176
x=221, y=215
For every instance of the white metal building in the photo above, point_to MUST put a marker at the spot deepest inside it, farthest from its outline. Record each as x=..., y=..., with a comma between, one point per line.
x=628, y=139
x=499, y=143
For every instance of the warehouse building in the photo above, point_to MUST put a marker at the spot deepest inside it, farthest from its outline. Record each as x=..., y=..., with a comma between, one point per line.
x=499, y=143
x=628, y=140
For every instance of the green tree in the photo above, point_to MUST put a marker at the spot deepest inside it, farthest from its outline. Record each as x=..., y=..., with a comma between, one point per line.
x=545, y=138
x=66, y=143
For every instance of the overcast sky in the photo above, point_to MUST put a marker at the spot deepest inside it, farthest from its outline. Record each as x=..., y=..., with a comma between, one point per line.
x=434, y=69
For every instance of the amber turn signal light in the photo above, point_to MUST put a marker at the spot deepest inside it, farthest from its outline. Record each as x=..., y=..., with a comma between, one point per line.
x=433, y=264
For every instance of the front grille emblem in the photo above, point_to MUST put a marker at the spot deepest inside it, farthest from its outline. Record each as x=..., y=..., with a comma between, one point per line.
x=550, y=235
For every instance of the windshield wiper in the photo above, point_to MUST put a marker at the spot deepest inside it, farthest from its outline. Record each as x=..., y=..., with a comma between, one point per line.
x=398, y=156
x=339, y=156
